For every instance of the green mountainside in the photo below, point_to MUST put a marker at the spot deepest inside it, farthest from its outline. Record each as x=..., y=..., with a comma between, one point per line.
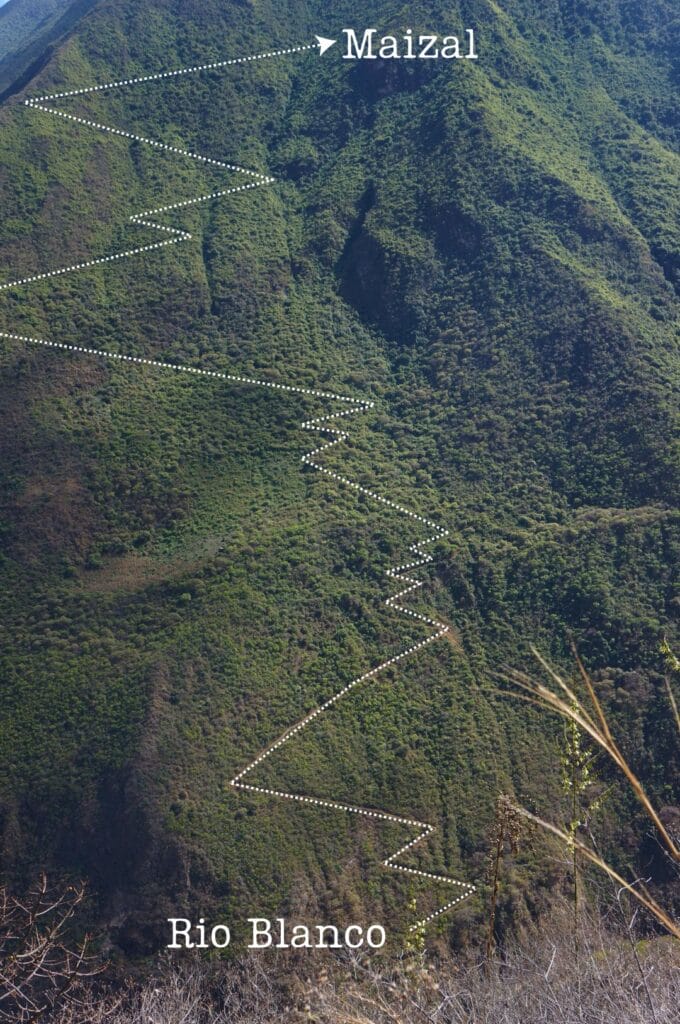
x=487, y=250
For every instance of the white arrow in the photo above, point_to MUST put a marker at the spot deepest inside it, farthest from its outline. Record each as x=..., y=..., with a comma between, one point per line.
x=325, y=44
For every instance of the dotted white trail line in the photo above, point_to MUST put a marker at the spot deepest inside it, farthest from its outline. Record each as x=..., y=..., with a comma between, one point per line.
x=322, y=425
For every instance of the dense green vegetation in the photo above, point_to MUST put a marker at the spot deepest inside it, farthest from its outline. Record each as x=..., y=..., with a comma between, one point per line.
x=488, y=251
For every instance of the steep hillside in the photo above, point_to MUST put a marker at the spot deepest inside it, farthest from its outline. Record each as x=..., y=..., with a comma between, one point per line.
x=29, y=32
x=489, y=252
x=20, y=20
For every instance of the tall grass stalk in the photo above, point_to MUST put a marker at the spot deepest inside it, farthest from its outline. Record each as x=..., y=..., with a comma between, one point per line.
x=593, y=721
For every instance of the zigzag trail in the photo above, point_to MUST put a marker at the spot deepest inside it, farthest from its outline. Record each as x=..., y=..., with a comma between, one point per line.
x=324, y=425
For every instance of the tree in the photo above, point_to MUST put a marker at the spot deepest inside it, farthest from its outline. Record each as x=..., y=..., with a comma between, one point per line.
x=41, y=969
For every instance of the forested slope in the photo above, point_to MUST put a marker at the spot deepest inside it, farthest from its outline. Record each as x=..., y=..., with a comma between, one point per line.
x=489, y=251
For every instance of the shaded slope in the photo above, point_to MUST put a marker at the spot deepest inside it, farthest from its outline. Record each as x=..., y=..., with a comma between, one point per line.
x=29, y=32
